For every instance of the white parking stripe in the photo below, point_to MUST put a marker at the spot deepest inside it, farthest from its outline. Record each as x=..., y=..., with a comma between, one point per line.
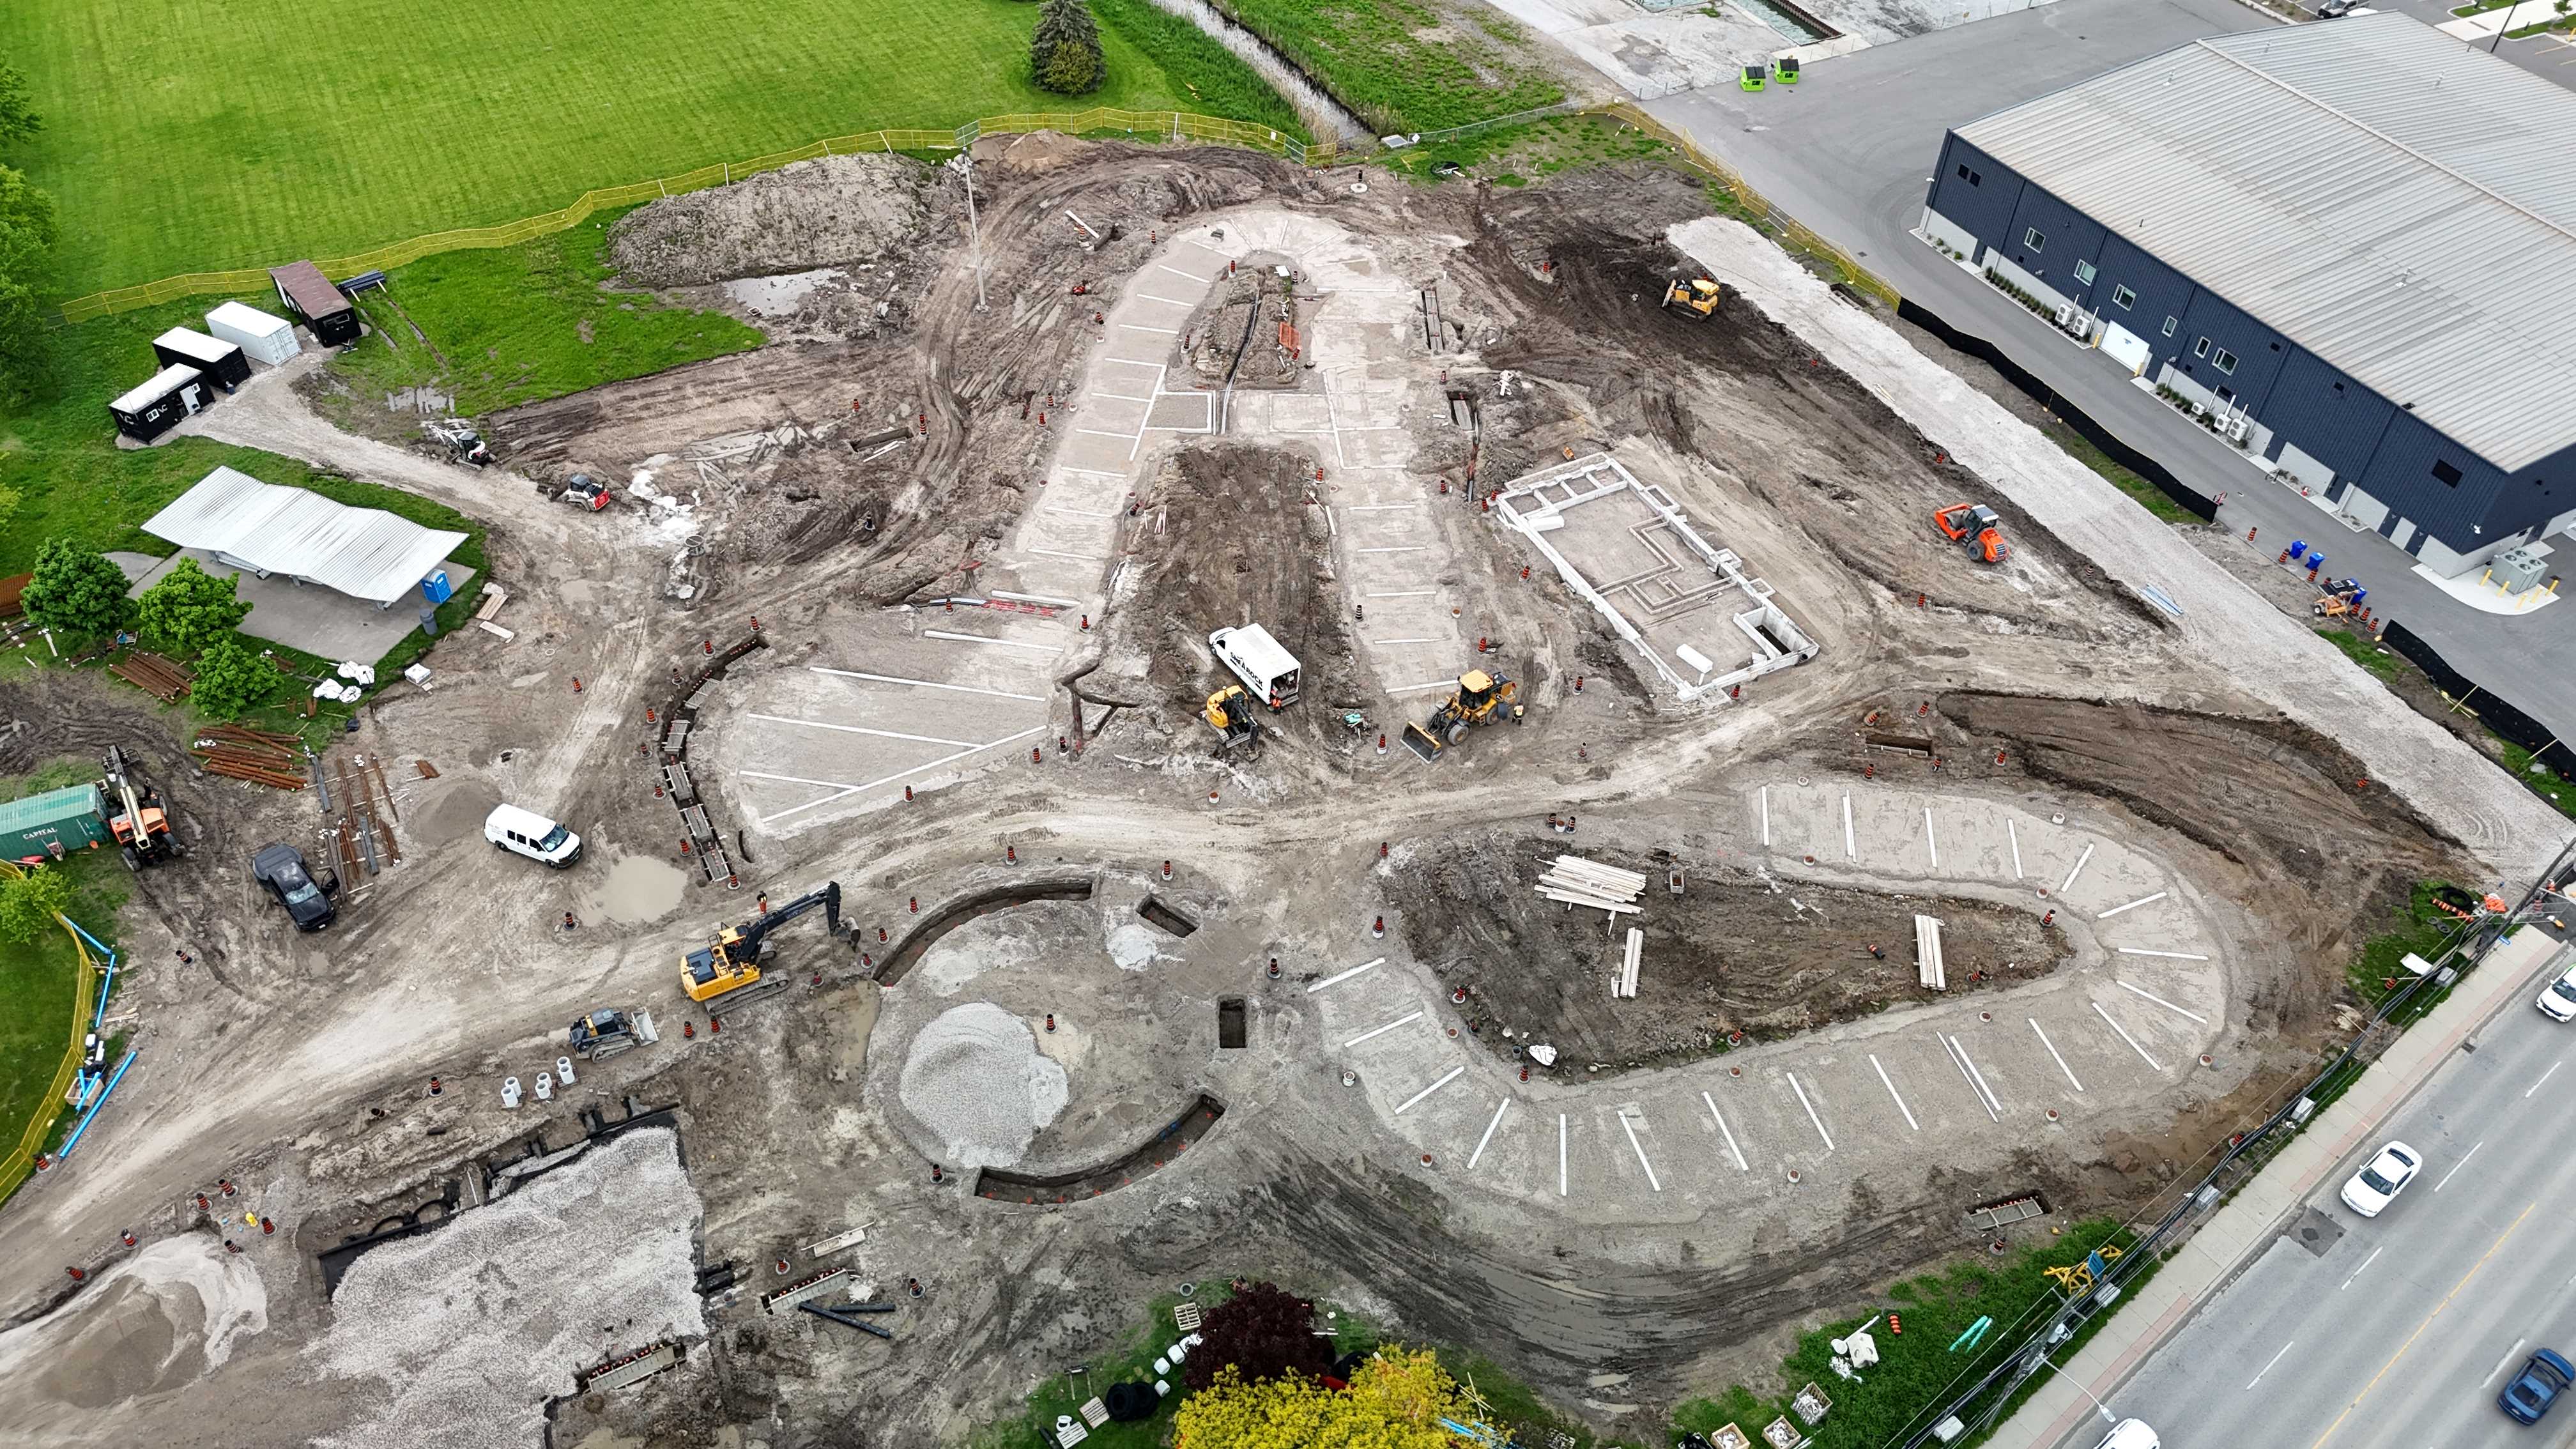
x=1500, y=1108
x=1344, y=976
x=2124, y=1035
x=924, y=683
x=988, y=639
x=1811, y=1110
x=849, y=790
x=1416, y=1099
x=1724, y=1132
x=816, y=724
x=1381, y=1031
x=2133, y=905
x=1639, y=1146
x=1891, y=1092
x=2052, y=1051
x=2158, y=1000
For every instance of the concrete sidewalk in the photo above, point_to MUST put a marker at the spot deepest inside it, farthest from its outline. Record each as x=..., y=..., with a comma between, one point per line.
x=2240, y=1230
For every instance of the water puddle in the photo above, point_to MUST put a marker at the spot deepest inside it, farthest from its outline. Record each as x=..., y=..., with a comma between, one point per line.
x=781, y=295
x=635, y=889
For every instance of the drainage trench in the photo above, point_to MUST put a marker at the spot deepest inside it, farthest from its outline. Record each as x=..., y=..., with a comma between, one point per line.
x=908, y=952
x=1159, y=1152
x=1323, y=114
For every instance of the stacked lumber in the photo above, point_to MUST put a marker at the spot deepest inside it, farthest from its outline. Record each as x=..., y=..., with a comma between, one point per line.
x=1627, y=984
x=262, y=757
x=154, y=675
x=1928, y=966
x=1579, y=882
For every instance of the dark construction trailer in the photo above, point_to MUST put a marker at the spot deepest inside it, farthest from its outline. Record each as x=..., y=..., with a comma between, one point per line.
x=224, y=364
x=310, y=295
x=158, y=405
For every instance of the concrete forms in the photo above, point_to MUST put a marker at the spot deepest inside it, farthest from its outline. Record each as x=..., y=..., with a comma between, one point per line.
x=1627, y=548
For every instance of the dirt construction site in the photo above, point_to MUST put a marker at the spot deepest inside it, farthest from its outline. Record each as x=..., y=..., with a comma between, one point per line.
x=916, y=601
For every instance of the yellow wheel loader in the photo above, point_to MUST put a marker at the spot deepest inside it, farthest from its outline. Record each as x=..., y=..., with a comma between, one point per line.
x=1481, y=699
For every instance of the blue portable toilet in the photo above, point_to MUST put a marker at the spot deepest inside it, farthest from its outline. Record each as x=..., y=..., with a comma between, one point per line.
x=436, y=588
x=2298, y=549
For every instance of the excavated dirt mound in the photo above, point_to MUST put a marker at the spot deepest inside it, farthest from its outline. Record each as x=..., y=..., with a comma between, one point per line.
x=1730, y=954
x=837, y=211
x=1230, y=538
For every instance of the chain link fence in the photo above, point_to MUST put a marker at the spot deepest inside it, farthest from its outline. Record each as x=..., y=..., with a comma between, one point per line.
x=21, y=1161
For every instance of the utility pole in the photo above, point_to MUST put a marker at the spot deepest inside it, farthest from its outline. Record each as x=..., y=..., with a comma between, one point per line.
x=975, y=237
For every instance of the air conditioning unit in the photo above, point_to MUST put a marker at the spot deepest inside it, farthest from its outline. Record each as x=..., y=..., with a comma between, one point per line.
x=2235, y=429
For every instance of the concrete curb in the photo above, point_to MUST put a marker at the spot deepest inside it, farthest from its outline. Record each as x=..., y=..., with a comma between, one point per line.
x=2230, y=1241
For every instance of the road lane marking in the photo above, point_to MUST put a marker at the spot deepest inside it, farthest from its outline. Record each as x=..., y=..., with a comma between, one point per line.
x=2014, y=836
x=2365, y=1266
x=1730, y=1136
x=1851, y=847
x=1891, y=1091
x=2068, y=884
x=2124, y=1035
x=1381, y=1031
x=2158, y=1000
x=2503, y=1363
x=2267, y=1368
x=2545, y=1076
x=1639, y=1146
x=1952, y=1048
x=1004, y=643
x=2456, y=1166
x=2168, y=955
x=2052, y=1051
x=1560, y=1154
x=1811, y=1110
x=1931, y=842
x=1500, y=1108
x=2419, y=1328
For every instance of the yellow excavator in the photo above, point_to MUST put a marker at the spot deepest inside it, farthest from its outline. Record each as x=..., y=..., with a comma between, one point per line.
x=1229, y=713
x=1481, y=699
x=1695, y=297
x=726, y=973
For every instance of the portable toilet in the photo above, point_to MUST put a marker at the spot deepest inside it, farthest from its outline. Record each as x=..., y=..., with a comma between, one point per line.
x=267, y=340
x=1751, y=79
x=157, y=406
x=223, y=363
x=436, y=588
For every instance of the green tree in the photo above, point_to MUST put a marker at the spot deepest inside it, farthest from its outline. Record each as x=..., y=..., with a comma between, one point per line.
x=1064, y=54
x=232, y=679
x=18, y=119
x=76, y=590
x=27, y=234
x=1395, y=1401
x=30, y=900
x=189, y=609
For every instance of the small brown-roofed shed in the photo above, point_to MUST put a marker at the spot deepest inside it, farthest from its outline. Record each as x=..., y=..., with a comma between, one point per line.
x=310, y=295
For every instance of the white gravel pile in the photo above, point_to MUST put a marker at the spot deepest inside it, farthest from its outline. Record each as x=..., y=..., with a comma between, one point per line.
x=974, y=1076
x=1133, y=946
x=473, y=1327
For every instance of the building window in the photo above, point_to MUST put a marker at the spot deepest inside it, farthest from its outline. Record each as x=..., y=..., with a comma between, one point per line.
x=1970, y=177
x=2200, y=348
x=2084, y=272
x=2170, y=324
x=2031, y=238
x=2446, y=472
x=2226, y=361
x=2125, y=297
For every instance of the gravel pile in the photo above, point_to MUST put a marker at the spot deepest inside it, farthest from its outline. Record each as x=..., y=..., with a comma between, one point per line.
x=473, y=1327
x=974, y=1076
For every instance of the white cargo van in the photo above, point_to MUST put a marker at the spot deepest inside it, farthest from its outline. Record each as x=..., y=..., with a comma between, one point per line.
x=1269, y=671
x=527, y=833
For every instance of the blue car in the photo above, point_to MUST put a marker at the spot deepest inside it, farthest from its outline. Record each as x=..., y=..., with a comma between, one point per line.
x=2538, y=1386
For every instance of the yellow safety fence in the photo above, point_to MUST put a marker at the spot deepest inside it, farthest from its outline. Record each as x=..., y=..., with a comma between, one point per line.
x=19, y=1163
x=1172, y=125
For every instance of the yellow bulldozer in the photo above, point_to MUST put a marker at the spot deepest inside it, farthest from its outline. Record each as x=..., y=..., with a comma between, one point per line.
x=1694, y=297
x=1481, y=698
x=1229, y=713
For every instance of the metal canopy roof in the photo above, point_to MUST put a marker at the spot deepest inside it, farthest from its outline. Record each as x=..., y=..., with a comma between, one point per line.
x=363, y=552
x=2398, y=203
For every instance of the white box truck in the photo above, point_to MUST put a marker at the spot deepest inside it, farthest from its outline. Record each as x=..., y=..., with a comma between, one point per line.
x=1266, y=669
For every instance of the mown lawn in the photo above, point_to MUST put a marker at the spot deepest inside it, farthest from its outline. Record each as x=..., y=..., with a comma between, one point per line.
x=184, y=138
x=37, y=980
x=1401, y=65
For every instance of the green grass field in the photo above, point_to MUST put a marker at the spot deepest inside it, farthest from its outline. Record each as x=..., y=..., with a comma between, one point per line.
x=208, y=137
x=522, y=323
x=1397, y=65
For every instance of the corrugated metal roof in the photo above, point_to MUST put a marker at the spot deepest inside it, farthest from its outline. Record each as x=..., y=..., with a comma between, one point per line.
x=364, y=552
x=2398, y=203
x=307, y=290
x=156, y=387
x=30, y=811
x=195, y=344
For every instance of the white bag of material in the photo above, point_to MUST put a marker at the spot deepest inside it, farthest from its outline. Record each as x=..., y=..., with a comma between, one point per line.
x=1543, y=1054
x=349, y=668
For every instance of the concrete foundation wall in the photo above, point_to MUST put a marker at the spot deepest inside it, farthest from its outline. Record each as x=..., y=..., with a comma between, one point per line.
x=1951, y=234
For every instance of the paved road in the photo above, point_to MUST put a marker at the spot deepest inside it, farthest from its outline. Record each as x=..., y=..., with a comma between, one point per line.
x=2358, y=1333
x=2545, y=56
x=1848, y=151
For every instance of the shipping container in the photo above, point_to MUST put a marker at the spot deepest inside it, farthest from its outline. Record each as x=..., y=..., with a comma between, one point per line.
x=54, y=824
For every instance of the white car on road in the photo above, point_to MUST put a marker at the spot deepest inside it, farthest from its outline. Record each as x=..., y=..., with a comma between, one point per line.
x=2381, y=1179
x=2558, y=999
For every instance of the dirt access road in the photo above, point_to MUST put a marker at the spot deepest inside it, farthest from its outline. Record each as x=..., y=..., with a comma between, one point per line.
x=456, y=964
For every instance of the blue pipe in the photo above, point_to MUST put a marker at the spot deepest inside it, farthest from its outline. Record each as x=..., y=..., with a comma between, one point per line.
x=91, y=1115
x=99, y=1015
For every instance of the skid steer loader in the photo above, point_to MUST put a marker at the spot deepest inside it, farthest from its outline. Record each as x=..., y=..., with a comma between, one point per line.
x=1480, y=699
